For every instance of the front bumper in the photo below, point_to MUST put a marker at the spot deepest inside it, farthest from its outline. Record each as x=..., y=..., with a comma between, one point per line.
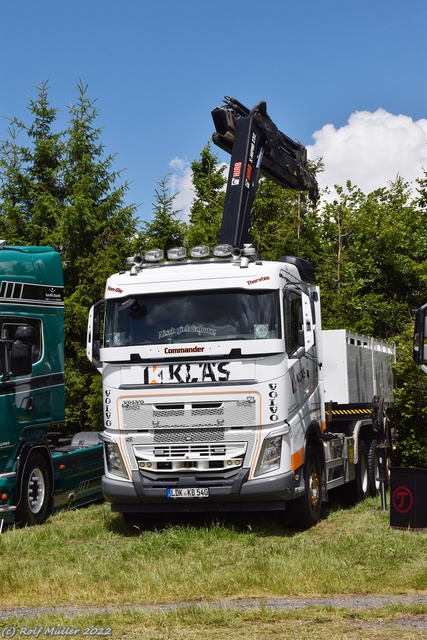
x=234, y=494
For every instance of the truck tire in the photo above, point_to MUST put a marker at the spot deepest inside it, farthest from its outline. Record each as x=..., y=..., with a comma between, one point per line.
x=373, y=469
x=305, y=511
x=358, y=489
x=33, y=503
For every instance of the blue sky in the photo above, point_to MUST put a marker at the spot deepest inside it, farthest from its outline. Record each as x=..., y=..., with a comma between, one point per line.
x=349, y=80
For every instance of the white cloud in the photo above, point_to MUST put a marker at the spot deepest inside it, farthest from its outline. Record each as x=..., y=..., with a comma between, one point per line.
x=371, y=150
x=180, y=183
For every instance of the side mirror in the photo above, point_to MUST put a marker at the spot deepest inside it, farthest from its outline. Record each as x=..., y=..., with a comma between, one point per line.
x=307, y=321
x=93, y=344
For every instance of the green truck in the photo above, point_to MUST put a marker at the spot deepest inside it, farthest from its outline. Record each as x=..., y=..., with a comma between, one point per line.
x=40, y=471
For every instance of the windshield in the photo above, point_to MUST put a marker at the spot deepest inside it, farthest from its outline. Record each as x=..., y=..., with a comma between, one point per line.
x=192, y=317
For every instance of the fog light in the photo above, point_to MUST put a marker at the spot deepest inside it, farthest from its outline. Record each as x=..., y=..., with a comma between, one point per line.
x=154, y=255
x=200, y=252
x=223, y=250
x=177, y=253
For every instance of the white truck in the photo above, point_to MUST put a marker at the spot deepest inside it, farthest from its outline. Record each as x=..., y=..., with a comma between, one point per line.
x=220, y=389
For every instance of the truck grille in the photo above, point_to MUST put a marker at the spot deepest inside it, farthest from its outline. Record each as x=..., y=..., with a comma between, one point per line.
x=137, y=415
x=196, y=436
x=194, y=458
x=183, y=450
x=188, y=435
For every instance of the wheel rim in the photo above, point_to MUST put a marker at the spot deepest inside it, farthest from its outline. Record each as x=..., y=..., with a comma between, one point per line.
x=314, y=489
x=36, y=491
x=364, y=479
x=376, y=479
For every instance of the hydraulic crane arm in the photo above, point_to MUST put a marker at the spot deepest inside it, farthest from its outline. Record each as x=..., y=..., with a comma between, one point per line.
x=256, y=146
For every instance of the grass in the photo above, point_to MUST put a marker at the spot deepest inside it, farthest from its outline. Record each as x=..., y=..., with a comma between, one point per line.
x=91, y=557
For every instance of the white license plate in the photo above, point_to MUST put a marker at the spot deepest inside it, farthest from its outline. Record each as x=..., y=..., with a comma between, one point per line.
x=189, y=492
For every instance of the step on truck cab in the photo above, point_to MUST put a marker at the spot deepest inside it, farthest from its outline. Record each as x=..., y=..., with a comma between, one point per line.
x=214, y=368
x=40, y=470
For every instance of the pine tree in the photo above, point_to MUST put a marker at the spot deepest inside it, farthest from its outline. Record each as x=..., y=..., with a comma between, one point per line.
x=13, y=187
x=207, y=207
x=60, y=190
x=165, y=229
x=96, y=233
x=46, y=192
x=32, y=187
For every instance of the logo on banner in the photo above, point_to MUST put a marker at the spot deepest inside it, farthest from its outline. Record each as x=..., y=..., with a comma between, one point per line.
x=402, y=499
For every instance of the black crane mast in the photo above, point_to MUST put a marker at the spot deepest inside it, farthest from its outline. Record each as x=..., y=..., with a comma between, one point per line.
x=257, y=147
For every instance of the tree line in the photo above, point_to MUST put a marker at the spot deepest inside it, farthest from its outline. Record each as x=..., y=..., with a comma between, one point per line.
x=60, y=188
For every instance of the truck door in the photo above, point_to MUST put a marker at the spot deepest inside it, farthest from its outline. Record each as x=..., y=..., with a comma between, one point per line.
x=26, y=398
x=300, y=344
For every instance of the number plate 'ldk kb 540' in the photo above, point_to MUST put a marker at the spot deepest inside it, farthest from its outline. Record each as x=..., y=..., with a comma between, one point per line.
x=190, y=492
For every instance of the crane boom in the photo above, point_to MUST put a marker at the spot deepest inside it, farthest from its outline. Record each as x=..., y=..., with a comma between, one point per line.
x=257, y=147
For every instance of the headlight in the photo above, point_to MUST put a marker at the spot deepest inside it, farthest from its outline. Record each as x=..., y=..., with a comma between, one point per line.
x=269, y=459
x=114, y=460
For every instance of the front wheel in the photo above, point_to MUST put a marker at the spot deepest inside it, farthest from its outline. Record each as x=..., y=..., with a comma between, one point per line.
x=33, y=503
x=307, y=509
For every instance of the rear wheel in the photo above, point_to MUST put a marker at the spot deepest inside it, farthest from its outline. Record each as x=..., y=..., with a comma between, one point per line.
x=359, y=487
x=373, y=468
x=33, y=503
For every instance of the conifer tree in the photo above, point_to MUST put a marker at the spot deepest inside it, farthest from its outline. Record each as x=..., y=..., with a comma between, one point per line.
x=13, y=187
x=46, y=189
x=95, y=233
x=60, y=189
x=165, y=229
x=207, y=207
x=32, y=187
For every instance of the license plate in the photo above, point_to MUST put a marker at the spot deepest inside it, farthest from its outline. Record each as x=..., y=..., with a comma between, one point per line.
x=189, y=492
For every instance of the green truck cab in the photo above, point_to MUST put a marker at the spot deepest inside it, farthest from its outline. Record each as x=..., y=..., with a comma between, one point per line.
x=40, y=471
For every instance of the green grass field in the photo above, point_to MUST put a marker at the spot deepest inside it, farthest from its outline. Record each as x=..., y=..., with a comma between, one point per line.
x=91, y=557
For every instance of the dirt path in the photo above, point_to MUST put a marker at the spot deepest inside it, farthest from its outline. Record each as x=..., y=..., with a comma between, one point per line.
x=365, y=602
